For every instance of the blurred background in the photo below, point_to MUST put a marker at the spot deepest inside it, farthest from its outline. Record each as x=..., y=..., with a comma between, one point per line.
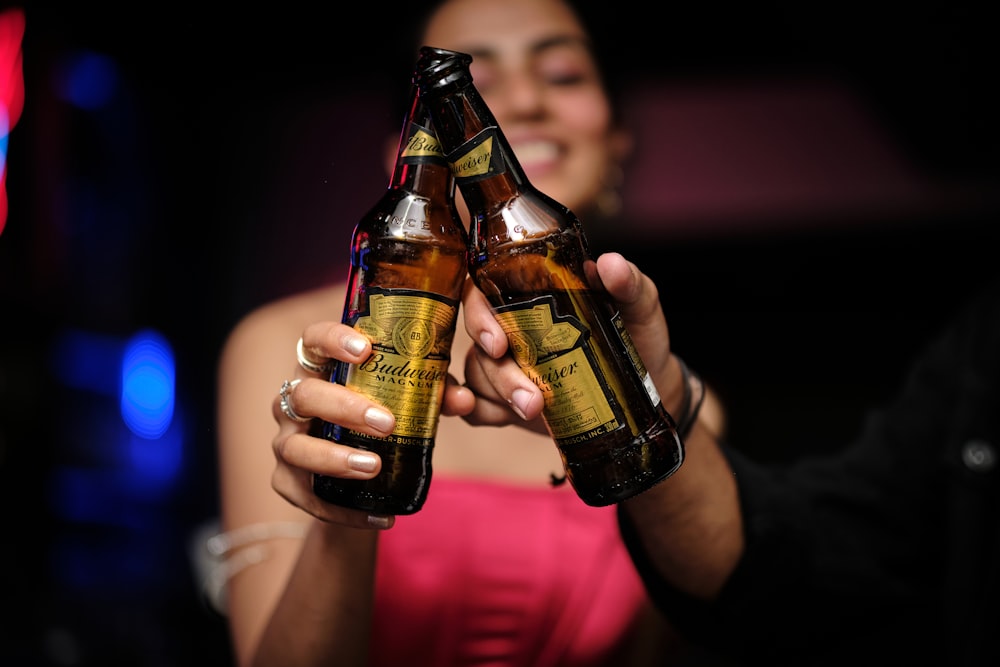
x=814, y=188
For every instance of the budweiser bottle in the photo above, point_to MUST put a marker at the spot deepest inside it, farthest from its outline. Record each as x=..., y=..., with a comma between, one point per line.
x=528, y=255
x=408, y=265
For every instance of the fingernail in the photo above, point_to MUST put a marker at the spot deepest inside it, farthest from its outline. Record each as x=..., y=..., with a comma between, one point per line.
x=379, y=419
x=519, y=402
x=486, y=340
x=380, y=522
x=356, y=345
x=362, y=462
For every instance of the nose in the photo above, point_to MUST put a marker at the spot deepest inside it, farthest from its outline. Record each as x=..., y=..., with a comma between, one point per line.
x=520, y=95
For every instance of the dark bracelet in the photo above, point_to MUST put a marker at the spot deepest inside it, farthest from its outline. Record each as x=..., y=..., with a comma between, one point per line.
x=694, y=396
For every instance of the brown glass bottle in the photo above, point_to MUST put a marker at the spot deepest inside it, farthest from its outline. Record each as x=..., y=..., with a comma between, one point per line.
x=528, y=254
x=408, y=265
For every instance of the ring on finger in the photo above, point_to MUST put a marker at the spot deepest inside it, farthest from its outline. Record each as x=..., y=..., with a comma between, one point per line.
x=286, y=403
x=308, y=364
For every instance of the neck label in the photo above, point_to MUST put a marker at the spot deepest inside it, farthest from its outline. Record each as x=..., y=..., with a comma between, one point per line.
x=421, y=146
x=475, y=159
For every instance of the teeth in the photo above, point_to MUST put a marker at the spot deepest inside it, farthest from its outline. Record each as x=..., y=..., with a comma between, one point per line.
x=535, y=151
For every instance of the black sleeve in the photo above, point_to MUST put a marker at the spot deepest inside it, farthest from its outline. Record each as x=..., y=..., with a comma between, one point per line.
x=848, y=550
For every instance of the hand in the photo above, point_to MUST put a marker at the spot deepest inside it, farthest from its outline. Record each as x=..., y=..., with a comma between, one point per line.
x=505, y=395
x=298, y=453
x=639, y=299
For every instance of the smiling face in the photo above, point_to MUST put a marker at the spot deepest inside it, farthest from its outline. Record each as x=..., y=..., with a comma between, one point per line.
x=533, y=66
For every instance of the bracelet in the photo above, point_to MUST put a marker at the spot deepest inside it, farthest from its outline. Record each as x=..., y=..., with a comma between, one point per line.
x=220, y=545
x=218, y=557
x=694, y=397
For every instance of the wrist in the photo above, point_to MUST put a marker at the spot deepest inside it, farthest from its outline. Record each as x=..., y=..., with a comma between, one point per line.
x=692, y=398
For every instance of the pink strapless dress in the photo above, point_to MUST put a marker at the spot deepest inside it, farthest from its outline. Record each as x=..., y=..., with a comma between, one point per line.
x=497, y=574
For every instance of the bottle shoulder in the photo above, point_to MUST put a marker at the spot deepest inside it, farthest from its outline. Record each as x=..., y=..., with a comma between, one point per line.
x=404, y=203
x=394, y=195
x=531, y=212
x=412, y=218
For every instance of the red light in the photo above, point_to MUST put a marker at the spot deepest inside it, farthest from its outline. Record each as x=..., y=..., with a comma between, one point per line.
x=11, y=90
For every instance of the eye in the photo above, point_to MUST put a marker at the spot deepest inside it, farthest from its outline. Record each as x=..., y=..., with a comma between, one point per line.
x=566, y=66
x=566, y=78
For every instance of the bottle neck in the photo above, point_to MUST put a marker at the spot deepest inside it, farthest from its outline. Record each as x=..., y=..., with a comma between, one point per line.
x=480, y=156
x=420, y=165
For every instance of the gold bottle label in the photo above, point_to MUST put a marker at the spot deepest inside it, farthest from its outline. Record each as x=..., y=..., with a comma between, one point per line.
x=552, y=352
x=421, y=146
x=475, y=159
x=411, y=333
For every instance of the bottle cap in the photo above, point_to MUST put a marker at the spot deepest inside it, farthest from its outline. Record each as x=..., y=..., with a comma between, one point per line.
x=440, y=68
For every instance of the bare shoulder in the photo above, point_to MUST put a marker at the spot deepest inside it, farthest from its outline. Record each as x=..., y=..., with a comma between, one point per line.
x=258, y=355
x=275, y=323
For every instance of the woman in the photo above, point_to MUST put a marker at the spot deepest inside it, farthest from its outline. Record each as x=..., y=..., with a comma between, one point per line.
x=498, y=566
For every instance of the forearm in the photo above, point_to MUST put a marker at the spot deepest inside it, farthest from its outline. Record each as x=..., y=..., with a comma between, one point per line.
x=690, y=525
x=324, y=614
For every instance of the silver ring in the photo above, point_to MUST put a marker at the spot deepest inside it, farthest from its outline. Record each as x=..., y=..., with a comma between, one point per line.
x=286, y=404
x=308, y=363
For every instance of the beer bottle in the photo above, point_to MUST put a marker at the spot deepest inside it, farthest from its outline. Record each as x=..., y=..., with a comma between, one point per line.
x=408, y=265
x=528, y=254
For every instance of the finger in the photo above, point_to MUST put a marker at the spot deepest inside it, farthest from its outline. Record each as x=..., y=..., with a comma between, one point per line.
x=322, y=341
x=310, y=362
x=295, y=486
x=480, y=323
x=641, y=309
x=458, y=400
x=318, y=455
x=331, y=402
x=489, y=413
x=628, y=285
x=501, y=386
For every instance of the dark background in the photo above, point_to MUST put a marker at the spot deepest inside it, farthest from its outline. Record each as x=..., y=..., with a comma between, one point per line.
x=236, y=149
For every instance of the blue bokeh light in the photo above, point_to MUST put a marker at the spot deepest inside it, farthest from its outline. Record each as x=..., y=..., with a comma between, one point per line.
x=123, y=458
x=147, y=398
x=88, y=361
x=158, y=463
x=87, y=80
